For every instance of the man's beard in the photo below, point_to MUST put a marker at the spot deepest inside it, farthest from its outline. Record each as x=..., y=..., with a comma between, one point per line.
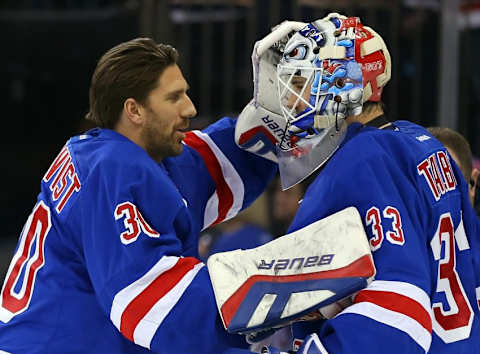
x=157, y=146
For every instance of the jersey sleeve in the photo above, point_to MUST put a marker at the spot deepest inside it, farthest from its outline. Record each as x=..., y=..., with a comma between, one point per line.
x=393, y=314
x=134, y=229
x=225, y=178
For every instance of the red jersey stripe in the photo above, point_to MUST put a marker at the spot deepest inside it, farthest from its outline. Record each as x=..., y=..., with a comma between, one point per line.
x=397, y=303
x=225, y=195
x=143, y=302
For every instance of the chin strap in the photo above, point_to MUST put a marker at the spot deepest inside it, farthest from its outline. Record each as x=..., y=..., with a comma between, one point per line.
x=381, y=122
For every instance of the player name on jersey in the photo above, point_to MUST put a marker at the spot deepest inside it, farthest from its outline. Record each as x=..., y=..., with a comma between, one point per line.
x=438, y=173
x=66, y=179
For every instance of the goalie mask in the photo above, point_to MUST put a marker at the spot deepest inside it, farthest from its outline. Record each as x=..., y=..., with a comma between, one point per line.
x=328, y=69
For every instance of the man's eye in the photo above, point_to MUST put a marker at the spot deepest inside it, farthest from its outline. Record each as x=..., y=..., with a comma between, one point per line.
x=174, y=98
x=298, y=53
x=298, y=82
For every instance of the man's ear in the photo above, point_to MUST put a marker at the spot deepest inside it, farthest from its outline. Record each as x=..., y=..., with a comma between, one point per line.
x=476, y=191
x=473, y=185
x=134, y=111
x=474, y=176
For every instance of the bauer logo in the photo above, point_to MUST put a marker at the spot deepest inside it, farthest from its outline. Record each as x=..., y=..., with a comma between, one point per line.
x=296, y=263
x=276, y=129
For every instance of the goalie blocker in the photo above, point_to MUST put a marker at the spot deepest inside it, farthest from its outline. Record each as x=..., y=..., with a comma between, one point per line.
x=287, y=278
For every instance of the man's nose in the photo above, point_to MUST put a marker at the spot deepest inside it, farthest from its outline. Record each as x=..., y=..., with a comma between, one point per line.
x=296, y=103
x=291, y=100
x=189, y=110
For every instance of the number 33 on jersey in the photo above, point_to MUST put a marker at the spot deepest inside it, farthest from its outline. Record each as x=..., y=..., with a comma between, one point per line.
x=452, y=313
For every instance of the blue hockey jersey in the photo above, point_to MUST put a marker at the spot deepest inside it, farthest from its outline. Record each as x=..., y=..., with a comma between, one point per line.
x=424, y=239
x=107, y=261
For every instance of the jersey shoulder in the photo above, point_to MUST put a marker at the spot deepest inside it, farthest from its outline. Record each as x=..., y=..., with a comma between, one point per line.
x=102, y=160
x=108, y=151
x=389, y=152
x=407, y=141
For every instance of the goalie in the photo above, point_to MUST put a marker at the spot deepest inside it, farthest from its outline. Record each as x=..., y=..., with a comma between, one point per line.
x=410, y=194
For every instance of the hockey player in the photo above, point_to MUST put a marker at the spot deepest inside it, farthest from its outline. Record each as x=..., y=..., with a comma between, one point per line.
x=107, y=260
x=414, y=204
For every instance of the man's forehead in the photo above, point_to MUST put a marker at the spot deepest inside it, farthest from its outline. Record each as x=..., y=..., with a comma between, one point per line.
x=171, y=79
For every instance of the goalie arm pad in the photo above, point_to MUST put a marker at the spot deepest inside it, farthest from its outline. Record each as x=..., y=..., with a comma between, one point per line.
x=289, y=277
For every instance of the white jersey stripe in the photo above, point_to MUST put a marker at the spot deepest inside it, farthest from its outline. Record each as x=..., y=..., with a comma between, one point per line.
x=406, y=289
x=232, y=178
x=211, y=211
x=477, y=291
x=313, y=342
x=394, y=319
x=400, y=305
x=123, y=298
x=148, y=325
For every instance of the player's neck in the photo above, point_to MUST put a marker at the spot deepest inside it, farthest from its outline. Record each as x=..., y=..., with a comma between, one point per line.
x=130, y=131
x=366, y=116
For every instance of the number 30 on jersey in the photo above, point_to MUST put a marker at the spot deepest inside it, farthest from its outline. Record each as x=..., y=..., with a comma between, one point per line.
x=18, y=286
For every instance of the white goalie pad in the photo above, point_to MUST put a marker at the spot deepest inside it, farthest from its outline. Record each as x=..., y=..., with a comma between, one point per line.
x=271, y=285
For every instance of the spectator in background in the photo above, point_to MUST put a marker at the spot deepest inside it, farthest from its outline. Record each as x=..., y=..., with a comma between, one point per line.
x=247, y=230
x=459, y=149
x=284, y=206
x=271, y=214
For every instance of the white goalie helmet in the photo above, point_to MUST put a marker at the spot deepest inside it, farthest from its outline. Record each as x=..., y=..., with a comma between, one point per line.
x=328, y=69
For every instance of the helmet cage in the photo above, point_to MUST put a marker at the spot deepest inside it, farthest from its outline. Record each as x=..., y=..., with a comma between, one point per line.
x=289, y=86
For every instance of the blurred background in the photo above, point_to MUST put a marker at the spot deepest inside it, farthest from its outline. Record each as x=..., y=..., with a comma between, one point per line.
x=49, y=50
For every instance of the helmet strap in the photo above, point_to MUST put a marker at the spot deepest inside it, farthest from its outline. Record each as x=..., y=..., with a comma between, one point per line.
x=381, y=122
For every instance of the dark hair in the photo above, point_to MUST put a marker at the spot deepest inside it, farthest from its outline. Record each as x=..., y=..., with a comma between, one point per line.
x=130, y=69
x=458, y=145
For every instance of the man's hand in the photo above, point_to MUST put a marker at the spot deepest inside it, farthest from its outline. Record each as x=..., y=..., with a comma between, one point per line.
x=328, y=311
